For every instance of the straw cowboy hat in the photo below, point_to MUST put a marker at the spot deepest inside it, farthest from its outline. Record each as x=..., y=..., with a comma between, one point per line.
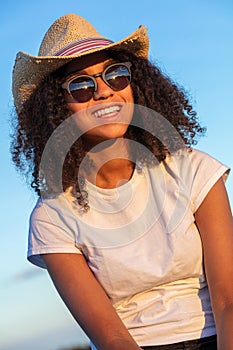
x=69, y=37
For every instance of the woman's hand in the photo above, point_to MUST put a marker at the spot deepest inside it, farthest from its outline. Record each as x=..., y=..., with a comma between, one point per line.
x=88, y=302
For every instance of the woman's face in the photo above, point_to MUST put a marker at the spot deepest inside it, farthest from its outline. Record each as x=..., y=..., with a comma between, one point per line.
x=108, y=113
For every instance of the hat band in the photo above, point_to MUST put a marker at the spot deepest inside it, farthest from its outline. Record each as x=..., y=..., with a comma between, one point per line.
x=79, y=46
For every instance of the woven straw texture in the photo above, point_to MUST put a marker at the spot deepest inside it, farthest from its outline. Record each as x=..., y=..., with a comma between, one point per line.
x=30, y=70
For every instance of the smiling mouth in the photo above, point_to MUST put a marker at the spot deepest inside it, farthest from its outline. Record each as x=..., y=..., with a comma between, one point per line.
x=107, y=112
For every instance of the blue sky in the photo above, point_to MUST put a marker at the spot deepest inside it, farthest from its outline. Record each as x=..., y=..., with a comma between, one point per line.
x=192, y=42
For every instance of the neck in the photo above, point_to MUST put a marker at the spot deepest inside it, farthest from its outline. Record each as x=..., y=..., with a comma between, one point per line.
x=112, y=164
x=114, y=173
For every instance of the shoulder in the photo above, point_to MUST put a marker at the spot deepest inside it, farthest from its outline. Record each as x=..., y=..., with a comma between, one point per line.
x=55, y=211
x=205, y=173
x=195, y=172
x=45, y=206
x=193, y=161
x=205, y=166
x=197, y=156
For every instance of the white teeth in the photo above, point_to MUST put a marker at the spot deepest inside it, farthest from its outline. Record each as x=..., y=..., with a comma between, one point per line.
x=108, y=110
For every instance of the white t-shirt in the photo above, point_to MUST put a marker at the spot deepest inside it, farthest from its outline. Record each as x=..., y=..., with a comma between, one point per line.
x=142, y=244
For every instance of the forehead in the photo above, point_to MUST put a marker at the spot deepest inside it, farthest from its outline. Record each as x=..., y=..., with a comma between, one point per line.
x=85, y=62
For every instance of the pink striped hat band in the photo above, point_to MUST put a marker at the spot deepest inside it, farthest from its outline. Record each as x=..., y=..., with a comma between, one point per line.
x=79, y=46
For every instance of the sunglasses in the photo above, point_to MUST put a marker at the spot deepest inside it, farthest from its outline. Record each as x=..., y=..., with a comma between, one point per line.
x=82, y=87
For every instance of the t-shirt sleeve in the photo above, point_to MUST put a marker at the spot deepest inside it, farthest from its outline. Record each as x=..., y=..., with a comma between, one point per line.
x=206, y=172
x=49, y=233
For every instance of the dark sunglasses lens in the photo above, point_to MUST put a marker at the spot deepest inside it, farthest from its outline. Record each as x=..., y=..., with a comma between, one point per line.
x=82, y=89
x=118, y=77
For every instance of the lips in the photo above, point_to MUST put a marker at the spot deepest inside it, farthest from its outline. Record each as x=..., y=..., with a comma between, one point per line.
x=107, y=112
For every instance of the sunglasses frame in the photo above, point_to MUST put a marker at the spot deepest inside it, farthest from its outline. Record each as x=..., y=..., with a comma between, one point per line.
x=66, y=84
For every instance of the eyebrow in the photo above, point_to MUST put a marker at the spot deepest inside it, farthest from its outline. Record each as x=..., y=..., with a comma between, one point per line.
x=73, y=73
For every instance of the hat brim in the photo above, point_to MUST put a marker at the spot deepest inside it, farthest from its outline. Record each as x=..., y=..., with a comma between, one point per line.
x=29, y=71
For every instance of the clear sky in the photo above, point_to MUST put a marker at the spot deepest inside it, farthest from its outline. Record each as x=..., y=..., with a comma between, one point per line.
x=192, y=41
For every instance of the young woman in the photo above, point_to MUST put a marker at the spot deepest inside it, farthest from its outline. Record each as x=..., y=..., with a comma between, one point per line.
x=133, y=225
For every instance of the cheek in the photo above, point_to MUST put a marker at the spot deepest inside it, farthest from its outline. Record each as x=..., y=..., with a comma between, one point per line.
x=76, y=107
x=81, y=117
x=129, y=107
x=130, y=97
x=73, y=106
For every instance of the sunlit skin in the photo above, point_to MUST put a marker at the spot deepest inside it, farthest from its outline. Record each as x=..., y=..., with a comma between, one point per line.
x=110, y=126
x=106, y=132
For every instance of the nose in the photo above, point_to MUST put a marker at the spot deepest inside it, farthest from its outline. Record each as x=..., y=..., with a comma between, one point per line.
x=103, y=90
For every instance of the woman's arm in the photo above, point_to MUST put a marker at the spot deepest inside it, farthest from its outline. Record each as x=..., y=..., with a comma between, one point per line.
x=215, y=223
x=88, y=302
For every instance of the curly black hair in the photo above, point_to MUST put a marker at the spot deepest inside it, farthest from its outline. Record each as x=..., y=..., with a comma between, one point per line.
x=46, y=109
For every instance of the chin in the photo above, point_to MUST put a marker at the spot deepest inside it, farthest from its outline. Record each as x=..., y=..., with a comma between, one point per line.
x=111, y=131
